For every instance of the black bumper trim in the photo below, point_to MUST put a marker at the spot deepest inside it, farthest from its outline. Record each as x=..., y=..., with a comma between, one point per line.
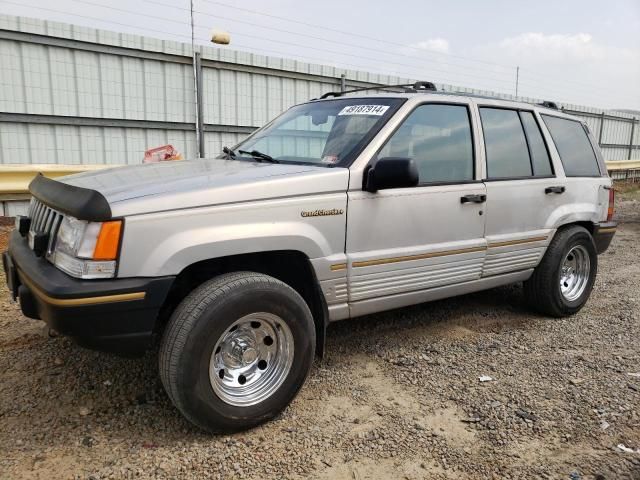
x=118, y=315
x=603, y=234
x=81, y=301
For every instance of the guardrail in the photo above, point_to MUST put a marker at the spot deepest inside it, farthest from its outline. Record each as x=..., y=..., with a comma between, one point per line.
x=624, y=170
x=14, y=179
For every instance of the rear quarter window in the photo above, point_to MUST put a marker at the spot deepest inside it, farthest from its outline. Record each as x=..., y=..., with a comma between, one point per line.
x=574, y=147
x=538, y=150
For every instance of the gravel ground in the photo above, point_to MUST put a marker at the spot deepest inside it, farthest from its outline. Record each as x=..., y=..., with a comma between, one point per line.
x=398, y=396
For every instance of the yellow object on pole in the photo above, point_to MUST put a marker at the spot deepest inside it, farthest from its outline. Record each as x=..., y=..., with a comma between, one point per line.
x=221, y=38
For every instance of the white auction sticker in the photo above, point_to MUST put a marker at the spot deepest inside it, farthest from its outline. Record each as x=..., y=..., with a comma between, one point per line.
x=364, y=110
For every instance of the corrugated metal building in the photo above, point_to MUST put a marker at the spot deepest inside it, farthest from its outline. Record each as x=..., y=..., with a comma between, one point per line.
x=77, y=95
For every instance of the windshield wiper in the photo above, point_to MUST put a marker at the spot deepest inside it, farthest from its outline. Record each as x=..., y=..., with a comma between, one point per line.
x=230, y=153
x=259, y=156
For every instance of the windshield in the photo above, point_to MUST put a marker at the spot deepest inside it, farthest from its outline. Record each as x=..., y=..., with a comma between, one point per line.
x=329, y=132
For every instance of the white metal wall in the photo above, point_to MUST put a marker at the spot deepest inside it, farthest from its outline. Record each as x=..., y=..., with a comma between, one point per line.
x=66, y=144
x=58, y=81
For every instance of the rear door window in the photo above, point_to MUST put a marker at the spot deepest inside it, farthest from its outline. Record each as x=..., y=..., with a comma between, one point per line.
x=574, y=147
x=505, y=144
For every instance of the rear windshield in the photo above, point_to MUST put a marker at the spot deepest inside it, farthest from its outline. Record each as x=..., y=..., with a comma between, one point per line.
x=329, y=132
x=574, y=147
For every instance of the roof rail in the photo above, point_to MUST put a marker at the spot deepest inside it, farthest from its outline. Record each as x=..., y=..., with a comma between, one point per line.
x=418, y=86
x=545, y=103
x=423, y=86
x=549, y=104
x=407, y=88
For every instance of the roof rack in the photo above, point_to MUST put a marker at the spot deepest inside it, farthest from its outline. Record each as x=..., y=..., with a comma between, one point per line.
x=549, y=104
x=423, y=86
x=407, y=88
x=545, y=103
x=476, y=95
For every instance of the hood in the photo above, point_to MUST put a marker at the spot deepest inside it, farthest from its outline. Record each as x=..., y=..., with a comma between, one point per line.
x=184, y=184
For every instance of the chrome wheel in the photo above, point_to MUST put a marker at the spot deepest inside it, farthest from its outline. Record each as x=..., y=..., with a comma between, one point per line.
x=574, y=273
x=251, y=359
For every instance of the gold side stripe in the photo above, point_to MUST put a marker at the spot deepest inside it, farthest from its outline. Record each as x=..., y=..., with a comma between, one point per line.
x=517, y=242
x=73, y=302
x=607, y=230
x=338, y=266
x=384, y=261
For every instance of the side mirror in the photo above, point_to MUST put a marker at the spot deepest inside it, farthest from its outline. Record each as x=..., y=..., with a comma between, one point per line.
x=391, y=172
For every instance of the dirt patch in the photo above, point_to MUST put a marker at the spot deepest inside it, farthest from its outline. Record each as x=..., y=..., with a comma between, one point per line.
x=372, y=469
x=627, y=190
x=5, y=230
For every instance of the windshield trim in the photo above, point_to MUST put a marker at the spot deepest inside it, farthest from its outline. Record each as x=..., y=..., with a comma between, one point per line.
x=348, y=160
x=248, y=158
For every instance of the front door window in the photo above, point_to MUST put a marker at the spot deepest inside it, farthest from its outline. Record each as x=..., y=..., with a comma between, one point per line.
x=438, y=138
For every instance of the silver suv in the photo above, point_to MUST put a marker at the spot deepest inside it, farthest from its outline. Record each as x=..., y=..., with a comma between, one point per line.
x=342, y=206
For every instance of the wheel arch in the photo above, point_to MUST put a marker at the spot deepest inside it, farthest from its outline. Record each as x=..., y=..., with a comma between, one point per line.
x=588, y=225
x=292, y=267
x=583, y=214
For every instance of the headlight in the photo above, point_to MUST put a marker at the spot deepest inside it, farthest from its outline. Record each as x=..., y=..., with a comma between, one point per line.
x=87, y=249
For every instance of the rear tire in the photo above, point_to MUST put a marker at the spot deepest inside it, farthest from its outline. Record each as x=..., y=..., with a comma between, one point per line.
x=236, y=351
x=562, y=282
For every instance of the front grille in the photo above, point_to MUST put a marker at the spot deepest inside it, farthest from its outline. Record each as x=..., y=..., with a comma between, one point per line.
x=44, y=219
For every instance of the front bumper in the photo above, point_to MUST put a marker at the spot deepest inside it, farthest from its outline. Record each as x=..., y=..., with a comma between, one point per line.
x=118, y=315
x=603, y=234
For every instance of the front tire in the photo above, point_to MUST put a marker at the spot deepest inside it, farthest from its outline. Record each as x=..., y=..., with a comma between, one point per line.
x=562, y=282
x=236, y=351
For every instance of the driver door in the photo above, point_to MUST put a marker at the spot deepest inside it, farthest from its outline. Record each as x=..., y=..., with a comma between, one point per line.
x=408, y=245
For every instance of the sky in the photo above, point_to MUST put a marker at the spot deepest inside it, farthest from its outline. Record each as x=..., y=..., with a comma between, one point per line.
x=583, y=52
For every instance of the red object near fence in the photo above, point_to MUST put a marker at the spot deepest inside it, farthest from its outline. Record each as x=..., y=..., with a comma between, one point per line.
x=161, y=154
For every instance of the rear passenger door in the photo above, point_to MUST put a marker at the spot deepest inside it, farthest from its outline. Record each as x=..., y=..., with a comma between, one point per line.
x=522, y=189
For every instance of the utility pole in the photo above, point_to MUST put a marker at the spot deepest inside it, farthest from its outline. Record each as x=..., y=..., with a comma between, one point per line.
x=196, y=93
x=517, y=79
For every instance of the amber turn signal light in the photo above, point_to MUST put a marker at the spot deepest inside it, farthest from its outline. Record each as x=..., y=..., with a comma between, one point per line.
x=108, y=241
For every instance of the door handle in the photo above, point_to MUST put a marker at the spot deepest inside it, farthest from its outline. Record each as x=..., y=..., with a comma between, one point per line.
x=473, y=198
x=549, y=190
